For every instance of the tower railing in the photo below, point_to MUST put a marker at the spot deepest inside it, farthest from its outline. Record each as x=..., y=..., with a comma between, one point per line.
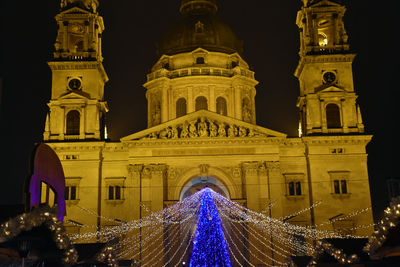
x=199, y=71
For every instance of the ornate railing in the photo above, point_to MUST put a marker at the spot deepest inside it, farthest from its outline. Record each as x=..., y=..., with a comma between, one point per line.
x=199, y=71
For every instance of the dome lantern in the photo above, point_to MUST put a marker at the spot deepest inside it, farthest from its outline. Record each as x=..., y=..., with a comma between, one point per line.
x=199, y=27
x=190, y=7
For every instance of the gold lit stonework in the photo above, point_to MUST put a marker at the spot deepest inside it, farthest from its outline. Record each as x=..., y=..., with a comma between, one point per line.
x=201, y=123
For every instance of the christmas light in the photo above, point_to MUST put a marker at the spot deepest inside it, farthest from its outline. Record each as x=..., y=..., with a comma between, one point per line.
x=391, y=219
x=41, y=216
x=164, y=238
x=209, y=245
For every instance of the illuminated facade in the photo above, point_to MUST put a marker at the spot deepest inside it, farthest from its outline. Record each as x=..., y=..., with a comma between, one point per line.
x=202, y=127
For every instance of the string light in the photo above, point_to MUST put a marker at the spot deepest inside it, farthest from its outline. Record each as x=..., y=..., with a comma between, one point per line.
x=148, y=239
x=209, y=245
x=41, y=216
x=390, y=219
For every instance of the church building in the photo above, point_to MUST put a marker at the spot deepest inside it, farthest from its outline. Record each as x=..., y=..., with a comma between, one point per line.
x=202, y=128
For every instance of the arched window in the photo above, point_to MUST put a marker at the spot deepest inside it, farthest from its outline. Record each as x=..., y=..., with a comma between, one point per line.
x=181, y=107
x=221, y=106
x=73, y=122
x=333, y=116
x=322, y=39
x=201, y=103
x=200, y=60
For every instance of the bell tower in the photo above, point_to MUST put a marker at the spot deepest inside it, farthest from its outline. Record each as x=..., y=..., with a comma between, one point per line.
x=327, y=100
x=77, y=107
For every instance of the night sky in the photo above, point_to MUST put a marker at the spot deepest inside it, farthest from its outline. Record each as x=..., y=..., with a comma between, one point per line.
x=133, y=27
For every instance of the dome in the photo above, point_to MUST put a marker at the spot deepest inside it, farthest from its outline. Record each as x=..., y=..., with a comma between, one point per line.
x=199, y=27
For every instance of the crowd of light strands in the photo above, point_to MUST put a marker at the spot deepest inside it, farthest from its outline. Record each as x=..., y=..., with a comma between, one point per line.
x=165, y=238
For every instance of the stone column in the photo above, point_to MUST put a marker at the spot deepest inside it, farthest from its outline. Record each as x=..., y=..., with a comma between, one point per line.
x=251, y=185
x=157, y=194
x=275, y=194
x=65, y=36
x=238, y=103
x=164, y=104
x=324, y=125
x=253, y=105
x=99, y=55
x=133, y=186
x=315, y=30
x=63, y=125
x=133, y=190
x=157, y=185
x=190, y=100
x=336, y=40
x=86, y=38
x=251, y=182
x=345, y=115
x=82, y=121
x=212, y=106
x=97, y=124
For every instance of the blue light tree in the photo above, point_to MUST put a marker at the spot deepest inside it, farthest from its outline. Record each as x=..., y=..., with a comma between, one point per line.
x=209, y=245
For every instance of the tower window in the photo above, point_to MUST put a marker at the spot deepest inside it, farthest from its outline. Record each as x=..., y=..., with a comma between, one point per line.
x=73, y=122
x=181, y=107
x=322, y=39
x=221, y=106
x=340, y=186
x=294, y=188
x=201, y=103
x=165, y=65
x=70, y=193
x=114, y=192
x=200, y=60
x=114, y=189
x=333, y=116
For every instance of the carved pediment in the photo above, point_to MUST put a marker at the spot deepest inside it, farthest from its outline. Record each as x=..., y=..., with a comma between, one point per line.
x=323, y=3
x=203, y=124
x=75, y=95
x=75, y=10
x=329, y=89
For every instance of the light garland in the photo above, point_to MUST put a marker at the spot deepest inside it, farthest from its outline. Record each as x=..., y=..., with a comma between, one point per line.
x=390, y=219
x=107, y=256
x=41, y=216
x=264, y=235
x=338, y=254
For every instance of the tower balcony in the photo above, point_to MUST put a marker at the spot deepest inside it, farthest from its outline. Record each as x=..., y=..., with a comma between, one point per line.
x=200, y=71
x=79, y=56
x=327, y=49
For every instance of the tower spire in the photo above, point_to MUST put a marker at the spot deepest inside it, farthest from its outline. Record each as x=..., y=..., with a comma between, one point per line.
x=77, y=105
x=198, y=7
x=327, y=99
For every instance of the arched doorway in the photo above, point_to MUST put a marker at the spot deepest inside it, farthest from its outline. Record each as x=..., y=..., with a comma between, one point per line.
x=198, y=183
x=187, y=229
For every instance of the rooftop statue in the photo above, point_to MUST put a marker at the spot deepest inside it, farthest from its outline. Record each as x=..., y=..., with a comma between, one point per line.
x=90, y=5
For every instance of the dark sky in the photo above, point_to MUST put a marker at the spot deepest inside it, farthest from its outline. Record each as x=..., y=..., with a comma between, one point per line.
x=270, y=37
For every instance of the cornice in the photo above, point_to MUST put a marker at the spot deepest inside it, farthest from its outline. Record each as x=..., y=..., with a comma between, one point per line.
x=205, y=141
x=332, y=58
x=79, y=65
x=76, y=146
x=342, y=139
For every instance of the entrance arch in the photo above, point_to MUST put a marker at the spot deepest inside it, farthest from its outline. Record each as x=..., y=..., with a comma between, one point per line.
x=225, y=180
x=198, y=183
